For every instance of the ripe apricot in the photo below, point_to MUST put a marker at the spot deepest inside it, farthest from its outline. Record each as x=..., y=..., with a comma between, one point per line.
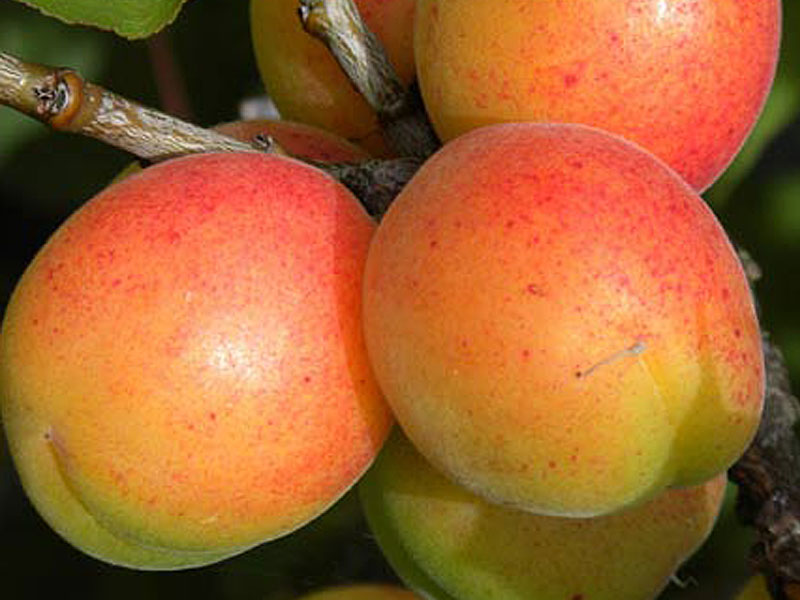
x=560, y=323
x=182, y=368
x=686, y=79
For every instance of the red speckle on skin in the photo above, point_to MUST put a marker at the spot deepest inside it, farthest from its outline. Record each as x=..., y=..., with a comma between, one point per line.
x=534, y=289
x=570, y=80
x=212, y=416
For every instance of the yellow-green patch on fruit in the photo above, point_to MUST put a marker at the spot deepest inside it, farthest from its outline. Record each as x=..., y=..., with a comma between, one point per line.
x=447, y=543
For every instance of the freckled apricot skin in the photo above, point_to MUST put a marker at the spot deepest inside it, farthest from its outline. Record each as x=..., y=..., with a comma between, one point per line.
x=182, y=369
x=560, y=323
x=447, y=543
x=686, y=79
x=306, y=83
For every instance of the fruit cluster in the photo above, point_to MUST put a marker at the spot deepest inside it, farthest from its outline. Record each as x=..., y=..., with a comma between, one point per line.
x=210, y=352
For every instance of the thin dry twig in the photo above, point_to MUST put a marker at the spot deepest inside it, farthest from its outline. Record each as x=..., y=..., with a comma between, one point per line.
x=62, y=99
x=338, y=24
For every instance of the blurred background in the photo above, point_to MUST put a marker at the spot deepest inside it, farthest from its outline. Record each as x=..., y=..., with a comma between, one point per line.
x=202, y=68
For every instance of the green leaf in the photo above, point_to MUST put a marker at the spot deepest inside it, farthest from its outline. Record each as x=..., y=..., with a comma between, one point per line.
x=128, y=18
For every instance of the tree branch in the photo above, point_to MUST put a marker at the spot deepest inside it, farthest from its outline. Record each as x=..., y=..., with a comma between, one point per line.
x=61, y=99
x=338, y=24
x=768, y=476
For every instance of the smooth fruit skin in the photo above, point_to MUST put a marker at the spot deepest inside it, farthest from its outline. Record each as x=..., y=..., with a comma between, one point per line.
x=182, y=368
x=447, y=543
x=560, y=323
x=306, y=83
x=362, y=591
x=298, y=139
x=686, y=79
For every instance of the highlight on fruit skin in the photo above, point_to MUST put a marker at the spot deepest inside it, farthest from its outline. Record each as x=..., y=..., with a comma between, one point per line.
x=182, y=369
x=686, y=79
x=449, y=544
x=560, y=323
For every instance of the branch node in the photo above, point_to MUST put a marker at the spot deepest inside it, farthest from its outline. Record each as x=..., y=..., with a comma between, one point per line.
x=59, y=98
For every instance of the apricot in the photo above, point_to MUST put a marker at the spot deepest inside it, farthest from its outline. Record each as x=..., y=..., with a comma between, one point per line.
x=182, y=370
x=686, y=79
x=560, y=323
x=305, y=82
x=446, y=542
x=362, y=591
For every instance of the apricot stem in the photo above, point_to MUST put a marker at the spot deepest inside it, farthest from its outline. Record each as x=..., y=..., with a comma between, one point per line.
x=374, y=182
x=62, y=99
x=338, y=24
